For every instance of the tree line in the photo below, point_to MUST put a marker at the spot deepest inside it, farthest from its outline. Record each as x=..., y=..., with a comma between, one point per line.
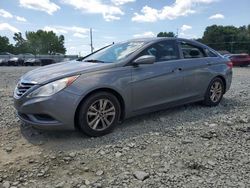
x=230, y=38
x=38, y=42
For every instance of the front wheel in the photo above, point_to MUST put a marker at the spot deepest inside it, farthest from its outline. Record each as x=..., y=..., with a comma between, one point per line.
x=99, y=114
x=214, y=92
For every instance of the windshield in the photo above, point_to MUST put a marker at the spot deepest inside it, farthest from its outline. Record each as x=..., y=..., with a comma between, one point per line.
x=115, y=52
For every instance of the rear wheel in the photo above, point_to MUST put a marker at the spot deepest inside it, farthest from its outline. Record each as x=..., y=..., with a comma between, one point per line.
x=214, y=92
x=99, y=114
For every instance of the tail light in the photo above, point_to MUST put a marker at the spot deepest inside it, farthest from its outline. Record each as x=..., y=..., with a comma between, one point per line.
x=230, y=64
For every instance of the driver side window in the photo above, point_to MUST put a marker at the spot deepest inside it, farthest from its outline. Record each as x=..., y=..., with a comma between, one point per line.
x=163, y=51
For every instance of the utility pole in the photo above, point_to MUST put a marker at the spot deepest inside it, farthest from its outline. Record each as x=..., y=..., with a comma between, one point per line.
x=177, y=32
x=91, y=41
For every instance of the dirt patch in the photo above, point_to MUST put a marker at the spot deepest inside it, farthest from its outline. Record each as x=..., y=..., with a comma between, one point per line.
x=187, y=146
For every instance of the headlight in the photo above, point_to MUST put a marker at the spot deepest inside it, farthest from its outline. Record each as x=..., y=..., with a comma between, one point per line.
x=53, y=87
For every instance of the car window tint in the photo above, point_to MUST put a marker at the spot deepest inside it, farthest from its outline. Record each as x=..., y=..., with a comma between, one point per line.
x=163, y=51
x=191, y=51
x=210, y=53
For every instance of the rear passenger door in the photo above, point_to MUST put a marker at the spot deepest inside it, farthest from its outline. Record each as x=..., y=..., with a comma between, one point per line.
x=195, y=68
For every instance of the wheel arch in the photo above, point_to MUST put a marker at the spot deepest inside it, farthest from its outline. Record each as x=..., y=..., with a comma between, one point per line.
x=224, y=82
x=109, y=90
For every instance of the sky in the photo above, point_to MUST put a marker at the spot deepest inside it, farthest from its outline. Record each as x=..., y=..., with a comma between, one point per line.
x=118, y=20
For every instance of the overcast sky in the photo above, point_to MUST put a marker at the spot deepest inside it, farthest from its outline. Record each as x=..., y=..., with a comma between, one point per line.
x=118, y=20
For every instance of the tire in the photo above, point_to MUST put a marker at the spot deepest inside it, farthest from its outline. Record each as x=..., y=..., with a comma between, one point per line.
x=214, y=93
x=95, y=121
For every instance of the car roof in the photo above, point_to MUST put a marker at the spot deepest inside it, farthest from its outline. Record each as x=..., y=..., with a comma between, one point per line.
x=5, y=53
x=158, y=39
x=152, y=39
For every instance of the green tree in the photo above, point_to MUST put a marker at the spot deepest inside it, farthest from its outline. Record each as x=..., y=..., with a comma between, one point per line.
x=166, y=34
x=5, y=45
x=45, y=42
x=21, y=45
x=19, y=39
x=230, y=38
x=39, y=42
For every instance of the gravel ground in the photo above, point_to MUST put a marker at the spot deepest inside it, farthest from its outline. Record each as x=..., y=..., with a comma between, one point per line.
x=187, y=146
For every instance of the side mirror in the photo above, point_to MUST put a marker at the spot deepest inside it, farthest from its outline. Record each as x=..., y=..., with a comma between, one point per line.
x=145, y=59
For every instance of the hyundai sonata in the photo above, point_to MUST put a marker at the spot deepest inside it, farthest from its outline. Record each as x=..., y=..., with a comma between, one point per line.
x=120, y=81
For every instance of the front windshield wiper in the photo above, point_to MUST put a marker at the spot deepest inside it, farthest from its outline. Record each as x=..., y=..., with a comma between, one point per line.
x=94, y=61
x=82, y=58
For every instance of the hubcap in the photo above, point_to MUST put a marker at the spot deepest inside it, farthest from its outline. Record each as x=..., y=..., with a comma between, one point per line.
x=216, y=92
x=101, y=114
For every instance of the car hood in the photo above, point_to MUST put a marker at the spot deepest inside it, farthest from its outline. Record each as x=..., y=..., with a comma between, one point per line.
x=60, y=70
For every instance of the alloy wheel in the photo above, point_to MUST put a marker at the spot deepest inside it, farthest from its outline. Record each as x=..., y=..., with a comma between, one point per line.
x=101, y=114
x=216, y=91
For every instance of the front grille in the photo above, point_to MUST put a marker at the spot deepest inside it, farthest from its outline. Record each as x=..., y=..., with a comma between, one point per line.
x=22, y=88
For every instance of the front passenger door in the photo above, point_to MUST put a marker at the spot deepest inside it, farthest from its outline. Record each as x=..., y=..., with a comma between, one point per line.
x=158, y=83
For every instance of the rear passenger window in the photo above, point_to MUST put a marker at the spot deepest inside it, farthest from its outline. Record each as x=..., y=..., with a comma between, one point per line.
x=163, y=51
x=190, y=51
x=210, y=53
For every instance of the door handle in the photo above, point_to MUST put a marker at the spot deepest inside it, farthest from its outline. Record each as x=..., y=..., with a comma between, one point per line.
x=177, y=69
x=209, y=64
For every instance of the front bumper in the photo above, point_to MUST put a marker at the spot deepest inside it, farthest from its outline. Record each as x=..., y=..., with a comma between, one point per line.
x=54, y=112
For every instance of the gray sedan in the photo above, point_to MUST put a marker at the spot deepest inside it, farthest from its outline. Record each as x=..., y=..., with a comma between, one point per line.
x=119, y=81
